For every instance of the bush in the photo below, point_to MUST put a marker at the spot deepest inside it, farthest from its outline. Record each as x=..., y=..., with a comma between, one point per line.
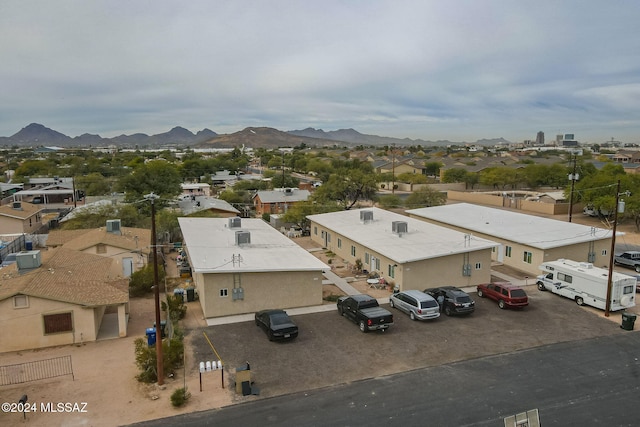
x=146, y=358
x=141, y=282
x=179, y=397
x=176, y=307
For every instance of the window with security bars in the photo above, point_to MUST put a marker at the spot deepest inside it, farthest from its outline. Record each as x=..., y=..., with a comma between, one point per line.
x=56, y=323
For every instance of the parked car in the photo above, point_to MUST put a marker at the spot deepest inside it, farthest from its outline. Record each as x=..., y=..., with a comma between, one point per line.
x=416, y=304
x=277, y=324
x=507, y=294
x=365, y=311
x=455, y=300
x=629, y=259
x=8, y=260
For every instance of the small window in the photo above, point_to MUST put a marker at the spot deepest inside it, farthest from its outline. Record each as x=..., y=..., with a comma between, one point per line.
x=20, y=301
x=367, y=260
x=565, y=278
x=527, y=257
x=57, y=323
x=628, y=290
x=224, y=292
x=339, y=243
x=604, y=252
x=353, y=251
x=507, y=251
x=315, y=231
x=478, y=266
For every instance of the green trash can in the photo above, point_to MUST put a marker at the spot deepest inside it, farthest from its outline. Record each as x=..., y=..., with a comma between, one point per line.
x=628, y=319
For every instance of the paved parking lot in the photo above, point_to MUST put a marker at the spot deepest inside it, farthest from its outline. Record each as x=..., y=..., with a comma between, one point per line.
x=332, y=350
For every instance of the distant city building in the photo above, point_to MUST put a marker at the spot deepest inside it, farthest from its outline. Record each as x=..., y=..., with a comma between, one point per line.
x=540, y=138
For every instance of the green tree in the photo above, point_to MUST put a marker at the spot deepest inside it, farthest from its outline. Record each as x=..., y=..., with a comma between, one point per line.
x=353, y=182
x=159, y=177
x=425, y=197
x=454, y=175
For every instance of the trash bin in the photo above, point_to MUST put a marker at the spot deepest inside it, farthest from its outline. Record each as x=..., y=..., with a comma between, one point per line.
x=163, y=327
x=179, y=294
x=151, y=336
x=28, y=245
x=628, y=319
x=191, y=294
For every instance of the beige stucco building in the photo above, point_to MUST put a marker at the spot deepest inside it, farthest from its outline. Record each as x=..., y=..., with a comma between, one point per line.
x=20, y=217
x=409, y=253
x=525, y=241
x=128, y=247
x=244, y=265
x=59, y=297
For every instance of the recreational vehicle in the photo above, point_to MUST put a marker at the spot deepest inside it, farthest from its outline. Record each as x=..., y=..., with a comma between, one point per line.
x=586, y=284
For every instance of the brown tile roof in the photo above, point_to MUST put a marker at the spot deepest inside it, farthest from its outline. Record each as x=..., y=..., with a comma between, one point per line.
x=68, y=276
x=131, y=239
x=26, y=210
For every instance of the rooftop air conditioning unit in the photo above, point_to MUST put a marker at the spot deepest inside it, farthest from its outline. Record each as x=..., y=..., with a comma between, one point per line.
x=288, y=191
x=17, y=206
x=366, y=216
x=113, y=226
x=399, y=227
x=243, y=238
x=235, y=222
x=27, y=260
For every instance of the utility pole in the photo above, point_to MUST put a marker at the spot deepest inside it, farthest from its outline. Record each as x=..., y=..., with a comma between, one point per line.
x=156, y=288
x=393, y=169
x=619, y=208
x=573, y=177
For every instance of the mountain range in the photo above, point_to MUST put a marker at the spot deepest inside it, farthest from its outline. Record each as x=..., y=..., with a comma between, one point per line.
x=36, y=135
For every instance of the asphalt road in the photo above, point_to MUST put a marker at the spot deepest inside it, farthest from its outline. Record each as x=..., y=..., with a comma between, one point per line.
x=593, y=382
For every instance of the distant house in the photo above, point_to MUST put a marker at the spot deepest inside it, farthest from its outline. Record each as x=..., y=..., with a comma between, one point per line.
x=60, y=297
x=278, y=201
x=20, y=217
x=245, y=265
x=47, y=191
x=129, y=248
x=196, y=189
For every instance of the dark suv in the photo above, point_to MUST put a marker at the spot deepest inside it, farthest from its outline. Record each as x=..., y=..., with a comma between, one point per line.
x=454, y=300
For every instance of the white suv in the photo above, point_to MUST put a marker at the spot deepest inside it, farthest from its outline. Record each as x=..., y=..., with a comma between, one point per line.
x=416, y=304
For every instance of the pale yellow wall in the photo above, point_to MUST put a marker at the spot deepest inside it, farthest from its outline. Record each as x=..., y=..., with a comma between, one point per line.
x=23, y=328
x=577, y=252
x=118, y=254
x=285, y=289
x=444, y=270
x=10, y=225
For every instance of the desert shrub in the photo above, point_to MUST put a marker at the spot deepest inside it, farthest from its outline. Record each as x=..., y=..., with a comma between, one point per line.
x=146, y=358
x=179, y=397
x=176, y=307
x=331, y=298
x=141, y=282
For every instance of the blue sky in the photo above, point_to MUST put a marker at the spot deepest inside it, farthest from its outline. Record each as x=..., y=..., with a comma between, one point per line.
x=429, y=69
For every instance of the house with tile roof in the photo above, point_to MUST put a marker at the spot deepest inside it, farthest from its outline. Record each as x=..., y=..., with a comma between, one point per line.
x=20, y=217
x=60, y=297
x=130, y=248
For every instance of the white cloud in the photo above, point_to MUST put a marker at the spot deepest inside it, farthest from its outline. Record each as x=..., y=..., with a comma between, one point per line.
x=463, y=69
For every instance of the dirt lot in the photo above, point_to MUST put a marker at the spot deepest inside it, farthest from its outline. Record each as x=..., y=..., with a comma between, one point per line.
x=329, y=350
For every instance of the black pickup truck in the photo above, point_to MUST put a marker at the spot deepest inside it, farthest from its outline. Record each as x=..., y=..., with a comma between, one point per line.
x=365, y=312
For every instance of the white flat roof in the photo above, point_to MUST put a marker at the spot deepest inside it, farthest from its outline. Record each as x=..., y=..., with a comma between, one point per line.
x=530, y=230
x=422, y=241
x=211, y=246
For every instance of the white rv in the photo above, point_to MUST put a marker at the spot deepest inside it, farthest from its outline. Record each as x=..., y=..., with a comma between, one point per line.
x=586, y=284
